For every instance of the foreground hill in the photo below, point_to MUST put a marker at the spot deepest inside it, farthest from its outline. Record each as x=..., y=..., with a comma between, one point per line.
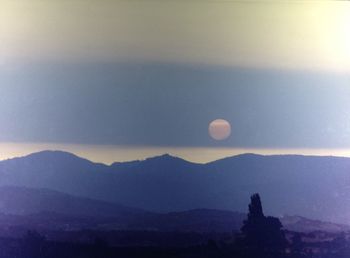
x=43, y=209
x=51, y=210
x=28, y=201
x=314, y=187
x=301, y=224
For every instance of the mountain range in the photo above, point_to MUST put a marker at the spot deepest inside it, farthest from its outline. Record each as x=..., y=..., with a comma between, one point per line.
x=310, y=186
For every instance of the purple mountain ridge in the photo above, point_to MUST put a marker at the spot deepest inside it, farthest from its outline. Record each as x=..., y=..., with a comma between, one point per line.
x=310, y=186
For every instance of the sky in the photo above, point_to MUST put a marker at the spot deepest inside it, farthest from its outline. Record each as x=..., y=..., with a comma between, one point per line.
x=122, y=80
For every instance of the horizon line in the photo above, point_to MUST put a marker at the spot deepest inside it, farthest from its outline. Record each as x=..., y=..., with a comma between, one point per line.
x=200, y=155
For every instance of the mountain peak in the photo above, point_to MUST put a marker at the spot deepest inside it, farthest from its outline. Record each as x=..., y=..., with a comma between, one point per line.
x=53, y=153
x=53, y=156
x=165, y=157
x=238, y=156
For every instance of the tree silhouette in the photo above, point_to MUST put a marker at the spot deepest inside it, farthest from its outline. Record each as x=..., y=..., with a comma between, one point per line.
x=262, y=236
x=255, y=207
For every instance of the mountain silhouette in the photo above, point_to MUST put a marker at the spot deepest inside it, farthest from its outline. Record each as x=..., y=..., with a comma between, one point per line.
x=310, y=186
x=16, y=200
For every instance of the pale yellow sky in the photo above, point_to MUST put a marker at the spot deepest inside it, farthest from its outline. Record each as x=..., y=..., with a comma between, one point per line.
x=268, y=34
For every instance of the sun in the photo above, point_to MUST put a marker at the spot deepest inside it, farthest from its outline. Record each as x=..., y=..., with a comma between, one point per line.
x=219, y=129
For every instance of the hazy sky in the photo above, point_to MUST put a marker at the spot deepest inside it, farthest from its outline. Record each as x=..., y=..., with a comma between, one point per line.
x=155, y=73
x=278, y=34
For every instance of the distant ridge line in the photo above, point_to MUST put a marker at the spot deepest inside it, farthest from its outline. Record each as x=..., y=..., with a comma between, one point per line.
x=167, y=156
